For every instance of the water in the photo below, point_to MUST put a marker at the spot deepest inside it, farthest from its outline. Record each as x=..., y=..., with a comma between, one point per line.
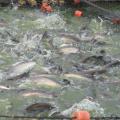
x=20, y=34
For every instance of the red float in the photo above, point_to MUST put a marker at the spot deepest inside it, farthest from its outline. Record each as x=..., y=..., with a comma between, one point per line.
x=81, y=115
x=78, y=13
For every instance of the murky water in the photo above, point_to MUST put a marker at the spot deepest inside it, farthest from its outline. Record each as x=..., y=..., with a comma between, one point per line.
x=68, y=42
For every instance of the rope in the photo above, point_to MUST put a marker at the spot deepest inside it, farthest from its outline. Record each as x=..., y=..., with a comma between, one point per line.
x=60, y=118
x=33, y=117
x=109, y=117
x=98, y=7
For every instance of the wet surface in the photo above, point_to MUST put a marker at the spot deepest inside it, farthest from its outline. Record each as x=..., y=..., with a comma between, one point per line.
x=70, y=56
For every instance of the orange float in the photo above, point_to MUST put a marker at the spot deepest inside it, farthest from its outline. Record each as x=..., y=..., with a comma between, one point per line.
x=43, y=7
x=78, y=13
x=81, y=115
x=46, y=8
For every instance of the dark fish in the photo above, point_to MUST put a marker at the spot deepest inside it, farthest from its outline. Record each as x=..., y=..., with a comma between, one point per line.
x=41, y=107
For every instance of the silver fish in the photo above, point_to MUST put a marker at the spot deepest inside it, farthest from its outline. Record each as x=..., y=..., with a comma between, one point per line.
x=68, y=50
x=37, y=93
x=44, y=81
x=19, y=69
x=4, y=87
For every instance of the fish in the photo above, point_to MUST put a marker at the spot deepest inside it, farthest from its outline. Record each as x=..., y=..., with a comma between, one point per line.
x=47, y=70
x=4, y=87
x=37, y=93
x=65, y=45
x=18, y=70
x=41, y=107
x=52, y=69
x=44, y=81
x=76, y=76
x=68, y=50
x=39, y=74
x=70, y=37
x=66, y=40
x=85, y=37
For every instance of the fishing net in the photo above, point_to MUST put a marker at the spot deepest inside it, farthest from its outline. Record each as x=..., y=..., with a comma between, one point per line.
x=109, y=10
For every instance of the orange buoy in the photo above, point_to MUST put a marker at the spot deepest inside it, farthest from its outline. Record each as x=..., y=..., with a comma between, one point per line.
x=49, y=9
x=44, y=6
x=76, y=1
x=81, y=115
x=78, y=13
